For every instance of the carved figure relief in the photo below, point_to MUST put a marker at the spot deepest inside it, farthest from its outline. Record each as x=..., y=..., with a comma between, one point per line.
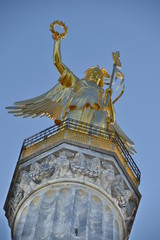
x=107, y=176
x=84, y=166
x=62, y=165
x=26, y=183
x=118, y=191
x=17, y=196
x=67, y=165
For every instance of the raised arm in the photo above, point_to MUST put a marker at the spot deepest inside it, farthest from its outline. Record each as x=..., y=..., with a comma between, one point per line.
x=67, y=78
x=57, y=57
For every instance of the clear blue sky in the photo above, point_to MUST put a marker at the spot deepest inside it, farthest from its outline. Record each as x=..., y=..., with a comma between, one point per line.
x=96, y=28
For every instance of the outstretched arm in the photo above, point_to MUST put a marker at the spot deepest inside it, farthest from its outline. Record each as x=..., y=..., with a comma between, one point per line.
x=67, y=78
x=57, y=57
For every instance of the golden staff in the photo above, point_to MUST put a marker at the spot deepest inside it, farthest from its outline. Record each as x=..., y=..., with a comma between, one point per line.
x=116, y=63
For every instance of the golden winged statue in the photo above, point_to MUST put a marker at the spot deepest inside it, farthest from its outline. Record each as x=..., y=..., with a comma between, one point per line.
x=84, y=99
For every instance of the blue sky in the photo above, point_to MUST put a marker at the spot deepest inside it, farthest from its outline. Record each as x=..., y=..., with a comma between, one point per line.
x=96, y=28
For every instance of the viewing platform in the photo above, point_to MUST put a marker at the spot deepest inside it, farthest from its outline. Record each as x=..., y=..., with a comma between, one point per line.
x=84, y=134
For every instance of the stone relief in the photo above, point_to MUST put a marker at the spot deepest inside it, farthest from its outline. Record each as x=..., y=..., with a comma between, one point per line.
x=107, y=176
x=17, y=196
x=119, y=192
x=68, y=165
x=62, y=165
x=84, y=166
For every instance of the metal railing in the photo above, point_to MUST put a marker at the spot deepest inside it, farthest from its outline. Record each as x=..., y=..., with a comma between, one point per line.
x=90, y=130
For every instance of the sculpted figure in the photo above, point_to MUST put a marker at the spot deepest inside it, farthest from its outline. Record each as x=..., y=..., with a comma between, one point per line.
x=130, y=210
x=26, y=182
x=119, y=192
x=84, y=99
x=62, y=165
x=50, y=162
x=107, y=176
x=35, y=172
x=79, y=163
x=86, y=167
x=47, y=168
x=93, y=167
x=17, y=196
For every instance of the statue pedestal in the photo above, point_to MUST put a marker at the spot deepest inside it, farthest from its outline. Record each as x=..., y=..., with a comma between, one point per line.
x=66, y=188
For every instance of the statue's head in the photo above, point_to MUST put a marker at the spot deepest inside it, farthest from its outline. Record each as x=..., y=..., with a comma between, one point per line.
x=97, y=75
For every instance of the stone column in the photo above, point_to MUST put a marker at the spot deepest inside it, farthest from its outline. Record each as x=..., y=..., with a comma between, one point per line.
x=68, y=192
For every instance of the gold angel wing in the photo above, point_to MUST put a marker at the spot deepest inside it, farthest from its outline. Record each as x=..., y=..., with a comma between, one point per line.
x=49, y=104
x=127, y=142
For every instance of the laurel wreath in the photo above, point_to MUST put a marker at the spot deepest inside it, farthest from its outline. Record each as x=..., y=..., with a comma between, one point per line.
x=57, y=34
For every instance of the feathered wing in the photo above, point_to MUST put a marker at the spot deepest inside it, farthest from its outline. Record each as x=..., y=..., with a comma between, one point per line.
x=49, y=104
x=127, y=142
